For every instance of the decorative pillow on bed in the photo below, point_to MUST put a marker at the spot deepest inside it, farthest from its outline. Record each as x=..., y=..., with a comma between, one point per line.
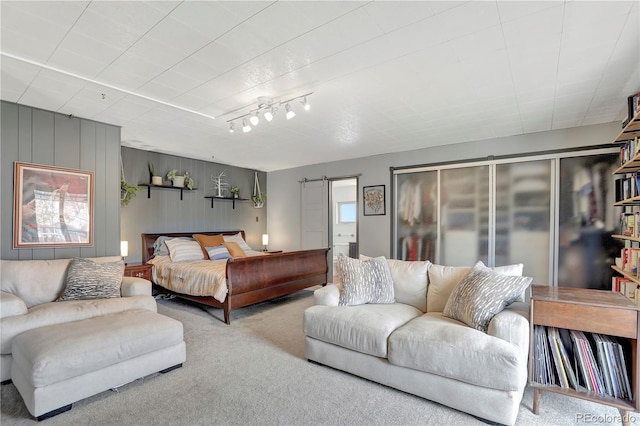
x=482, y=294
x=87, y=279
x=181, y=250
x=235, y=250
x=365, y=281
x=208, y=241
x=218, y=252
x=237, y=238
x=160, y=247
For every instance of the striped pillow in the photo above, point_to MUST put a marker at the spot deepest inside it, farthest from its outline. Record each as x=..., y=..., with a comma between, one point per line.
x=182, y=250
x=87, y=279
x=218, y=252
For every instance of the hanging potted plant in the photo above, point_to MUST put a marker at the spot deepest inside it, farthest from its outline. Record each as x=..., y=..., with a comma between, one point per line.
x=127, y=192
x=258, y=200
x=258, y=196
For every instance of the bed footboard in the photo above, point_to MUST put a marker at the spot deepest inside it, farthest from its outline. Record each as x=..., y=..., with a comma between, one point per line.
x=256, y=279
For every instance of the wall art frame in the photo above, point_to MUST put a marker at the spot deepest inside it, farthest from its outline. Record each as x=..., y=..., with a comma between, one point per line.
x=52, y=206
x=374, y=200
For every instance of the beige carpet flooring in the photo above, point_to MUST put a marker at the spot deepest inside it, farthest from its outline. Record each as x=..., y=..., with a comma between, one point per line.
x=253, y=372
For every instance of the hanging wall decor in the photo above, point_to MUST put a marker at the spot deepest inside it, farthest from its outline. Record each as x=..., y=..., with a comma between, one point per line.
x=373, y=200
x=53, y=206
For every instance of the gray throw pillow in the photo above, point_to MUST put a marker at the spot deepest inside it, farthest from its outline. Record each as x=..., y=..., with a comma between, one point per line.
x=365, y=281
x=87, y=279
x=481, y=295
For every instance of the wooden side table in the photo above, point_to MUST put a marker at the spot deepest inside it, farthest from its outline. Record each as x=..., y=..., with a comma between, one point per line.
x=595, y=311
x=140, y=270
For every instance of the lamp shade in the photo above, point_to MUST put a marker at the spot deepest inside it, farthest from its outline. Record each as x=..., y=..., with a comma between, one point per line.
x=265, y=239
x=124, y=248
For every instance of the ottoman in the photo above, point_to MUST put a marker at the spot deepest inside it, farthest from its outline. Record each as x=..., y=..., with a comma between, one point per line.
x=60, y=364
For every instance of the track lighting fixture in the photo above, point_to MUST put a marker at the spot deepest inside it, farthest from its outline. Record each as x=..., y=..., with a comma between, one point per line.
x=268, y=107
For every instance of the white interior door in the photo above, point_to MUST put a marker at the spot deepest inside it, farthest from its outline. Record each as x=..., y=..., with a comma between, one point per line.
x=315, y=210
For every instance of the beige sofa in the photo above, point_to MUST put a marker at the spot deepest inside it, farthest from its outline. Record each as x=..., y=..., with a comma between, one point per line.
x=411, y=346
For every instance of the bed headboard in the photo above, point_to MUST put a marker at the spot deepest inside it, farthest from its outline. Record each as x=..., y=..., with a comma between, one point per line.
x=149, y=239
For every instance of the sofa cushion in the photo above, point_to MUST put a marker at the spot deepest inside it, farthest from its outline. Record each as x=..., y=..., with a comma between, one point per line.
x=11, y=305
x=410, y=281
x=87, y=279
x=442, y=281
x=482, y=294
x=365, y=281
x=363, y=328
x=446, y=347
x=72, y=310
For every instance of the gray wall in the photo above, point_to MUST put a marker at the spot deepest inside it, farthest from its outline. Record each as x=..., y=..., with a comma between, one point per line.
x=36, y=136
x=164, y=212
x=375, y=231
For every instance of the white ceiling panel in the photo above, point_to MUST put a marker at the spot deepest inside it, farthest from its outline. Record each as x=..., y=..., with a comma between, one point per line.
x=385, y=76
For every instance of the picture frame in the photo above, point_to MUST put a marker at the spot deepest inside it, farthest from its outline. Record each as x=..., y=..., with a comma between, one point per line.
x=52, y=206
x=374, y=200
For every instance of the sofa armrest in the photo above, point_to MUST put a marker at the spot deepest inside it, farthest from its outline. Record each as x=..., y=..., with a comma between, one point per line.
x=11, y=305
x=328, y=295
x=135, y=286
x=512, y=325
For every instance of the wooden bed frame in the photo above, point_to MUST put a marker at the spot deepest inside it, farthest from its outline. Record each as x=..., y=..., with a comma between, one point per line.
x=255, y=279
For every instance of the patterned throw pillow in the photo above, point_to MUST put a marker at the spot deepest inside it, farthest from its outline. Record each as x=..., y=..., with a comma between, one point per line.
x=481, y=295
x=87, y=279
x=365, y=281
x=218, y=253
x=181, y=250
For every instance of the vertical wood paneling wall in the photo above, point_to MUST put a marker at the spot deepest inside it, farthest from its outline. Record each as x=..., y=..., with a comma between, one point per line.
x=43, y=137
x=164, y=212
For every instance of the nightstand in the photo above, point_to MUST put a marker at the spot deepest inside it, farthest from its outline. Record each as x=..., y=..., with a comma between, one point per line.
x=138, y=270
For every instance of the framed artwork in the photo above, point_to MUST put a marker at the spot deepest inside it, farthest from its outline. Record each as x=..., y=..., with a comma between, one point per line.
x=373, y=200
x=52, y=206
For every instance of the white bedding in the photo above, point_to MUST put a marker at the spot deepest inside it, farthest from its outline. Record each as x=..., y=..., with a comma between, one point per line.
x=195, y=278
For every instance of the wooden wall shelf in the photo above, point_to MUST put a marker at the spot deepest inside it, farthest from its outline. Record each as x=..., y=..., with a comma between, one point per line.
x=181, y=189
x=233, y=200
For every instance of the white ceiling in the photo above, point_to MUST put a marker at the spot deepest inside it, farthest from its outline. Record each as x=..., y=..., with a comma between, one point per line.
x=385, y=76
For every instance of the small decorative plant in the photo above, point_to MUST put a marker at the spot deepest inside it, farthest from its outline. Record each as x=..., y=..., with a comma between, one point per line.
x=127, y=192
x=235, y=192
x=188, y=181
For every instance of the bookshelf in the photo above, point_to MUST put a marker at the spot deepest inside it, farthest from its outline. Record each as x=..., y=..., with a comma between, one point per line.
x=592, y=311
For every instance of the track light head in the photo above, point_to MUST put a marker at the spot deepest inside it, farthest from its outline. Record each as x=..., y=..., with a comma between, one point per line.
x=290, y=114
x=245, y=127
x=271, y=113
x=232, y=126
x=305, y=104
x=254, y=119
